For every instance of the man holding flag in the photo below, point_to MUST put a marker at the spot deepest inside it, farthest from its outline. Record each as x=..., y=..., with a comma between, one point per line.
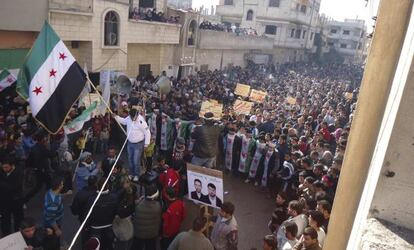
x=50, y=79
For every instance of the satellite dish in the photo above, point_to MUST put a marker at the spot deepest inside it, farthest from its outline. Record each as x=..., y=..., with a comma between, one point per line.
x=124, y=84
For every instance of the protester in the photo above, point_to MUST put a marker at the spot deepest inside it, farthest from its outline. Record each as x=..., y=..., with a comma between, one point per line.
x=225, y=232
x=86, y=168
x=11, y=196
x=172, y=218
x=138, y=139
x=102, y=216
x=147, y=220
x=37, y=237
x=53, y=208
x=194, y=237
x=206, y=142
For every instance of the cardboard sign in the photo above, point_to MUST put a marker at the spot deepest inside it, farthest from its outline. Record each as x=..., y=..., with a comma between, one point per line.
x=257, y=96
x=242, y=107
x=242, y=90
x=211, y=106
x=291, y=100
x=349, y=96
x=13, y=242
x=205, y=186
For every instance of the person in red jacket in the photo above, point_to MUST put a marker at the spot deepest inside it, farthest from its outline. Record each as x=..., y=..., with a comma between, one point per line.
x=325, y=132
x=169, y=177
x=172, y=218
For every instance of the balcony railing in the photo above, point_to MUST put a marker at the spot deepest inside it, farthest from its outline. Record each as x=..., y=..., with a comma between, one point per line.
x=82, y=6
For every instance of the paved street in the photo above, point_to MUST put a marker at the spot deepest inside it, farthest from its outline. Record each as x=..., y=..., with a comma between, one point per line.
x=253, y=211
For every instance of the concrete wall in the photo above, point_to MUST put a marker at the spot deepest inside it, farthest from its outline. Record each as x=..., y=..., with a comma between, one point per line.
x=23, y=15
x=222, y=40
x=393, y=200
x=73, y=26
x=213, y=58
x=159, y=56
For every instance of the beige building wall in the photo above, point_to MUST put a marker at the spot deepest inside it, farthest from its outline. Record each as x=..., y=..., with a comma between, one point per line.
x=73, y=26
x=213, y=58
x=23, y=15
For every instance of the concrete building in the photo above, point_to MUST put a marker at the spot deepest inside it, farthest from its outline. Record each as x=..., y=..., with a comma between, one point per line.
x=99, y=33
x=348, y=38
x=291, y=24
x=180, y=4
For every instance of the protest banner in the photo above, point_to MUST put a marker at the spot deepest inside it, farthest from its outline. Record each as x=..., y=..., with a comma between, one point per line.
x=349, y=96
x=205, y=185
x=212, y=106
x=242, y=107
x=13, y=242
x=290, y=100
x=242, y=90
x=257, y=96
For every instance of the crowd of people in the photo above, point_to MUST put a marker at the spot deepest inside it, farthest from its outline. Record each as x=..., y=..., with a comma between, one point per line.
x=291, y=151
x=152, y=15
x=207, y=25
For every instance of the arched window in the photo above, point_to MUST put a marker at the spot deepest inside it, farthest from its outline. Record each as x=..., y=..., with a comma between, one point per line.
x=111, y=29
x=249, y=16
x=191, y=33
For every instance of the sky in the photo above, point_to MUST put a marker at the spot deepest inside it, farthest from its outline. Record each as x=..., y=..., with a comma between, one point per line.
x=337, y=9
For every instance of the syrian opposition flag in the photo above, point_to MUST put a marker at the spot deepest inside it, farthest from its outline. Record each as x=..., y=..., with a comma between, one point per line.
x=6, y=79
x=77, y=124
x=50, y=79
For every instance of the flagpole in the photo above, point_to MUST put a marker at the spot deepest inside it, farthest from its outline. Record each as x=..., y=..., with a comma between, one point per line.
x=106, y=104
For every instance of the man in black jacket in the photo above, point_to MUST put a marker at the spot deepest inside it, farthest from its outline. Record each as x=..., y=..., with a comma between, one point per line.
x=38, y=238
x=11, y=194
x=81, y=201
x=102, y=216
x=39, y=160
x=206, y=142
x=109, y=161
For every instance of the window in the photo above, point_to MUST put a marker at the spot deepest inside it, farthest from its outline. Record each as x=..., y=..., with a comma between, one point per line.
x=146, y=3
x=249, y=16
x=333, y=31
x=346, y=32
x=228, y=2
x=144, y=69
x=292, y=33
x=270, y=29
x=274, y=3
x=311, y=37
x=297, y=35
x=330, y=44
x=303, y=8
x=303, y=34
x=359, y=46
x=343, y=46
x=111, y=29
x=191, y=33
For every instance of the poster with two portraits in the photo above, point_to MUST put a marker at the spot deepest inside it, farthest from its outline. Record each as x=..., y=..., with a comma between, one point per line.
x=205, y=186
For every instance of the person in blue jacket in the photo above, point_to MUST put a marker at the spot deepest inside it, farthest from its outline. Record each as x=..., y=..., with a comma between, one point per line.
x=86, y=168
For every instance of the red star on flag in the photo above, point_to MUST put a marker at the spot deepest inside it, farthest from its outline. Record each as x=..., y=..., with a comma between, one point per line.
x=10, y=80
x=37, y=90
x=62, y=56
x=52, y=73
